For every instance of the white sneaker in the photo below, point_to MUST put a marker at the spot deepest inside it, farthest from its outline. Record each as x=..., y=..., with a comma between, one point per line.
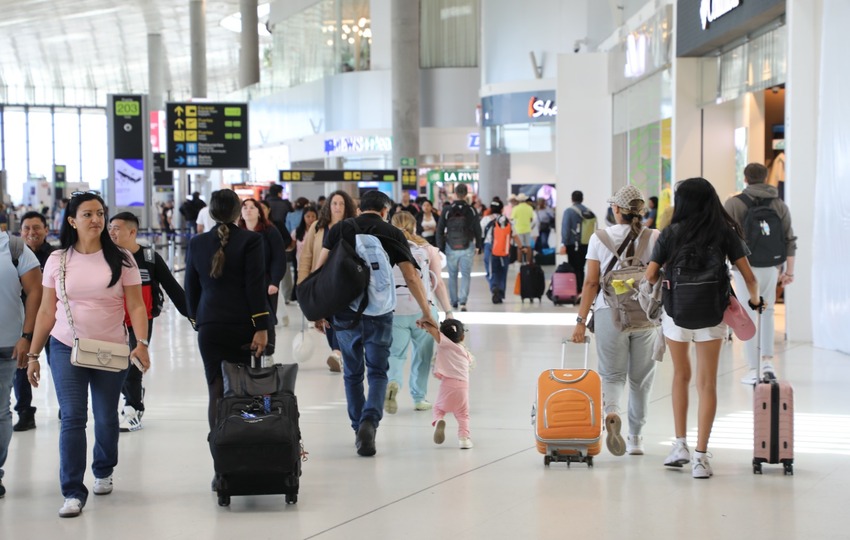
x=131, y=420
x=102, y=486
x=750, y=378
x=634, y=445
x=390, y=403
x=465, y=443
x=335, y=362
x=701, y=466
x=71, y=508
x=678, y=456
x=767, y=367
x=440, y=432
x=614, y=440
x=423, y=405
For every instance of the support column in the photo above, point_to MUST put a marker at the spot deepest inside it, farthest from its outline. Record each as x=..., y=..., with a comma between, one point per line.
x=405, y=80
x=803, y=87
x=198, y=40
x=494, y=171
x=687, y=161
x=249, y=41
x=155, y=72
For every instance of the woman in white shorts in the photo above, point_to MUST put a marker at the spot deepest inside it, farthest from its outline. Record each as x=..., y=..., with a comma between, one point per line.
x=700, y=226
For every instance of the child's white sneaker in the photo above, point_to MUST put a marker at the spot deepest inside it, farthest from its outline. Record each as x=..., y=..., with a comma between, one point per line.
x=701, y=466
x=465, y=443
x=634, y=445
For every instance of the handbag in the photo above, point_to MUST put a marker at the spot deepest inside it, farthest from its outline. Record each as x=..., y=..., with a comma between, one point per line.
x=738, y=320
x=92, y=353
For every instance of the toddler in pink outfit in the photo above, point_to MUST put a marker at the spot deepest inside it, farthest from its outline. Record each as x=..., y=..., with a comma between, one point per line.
x=452, y=367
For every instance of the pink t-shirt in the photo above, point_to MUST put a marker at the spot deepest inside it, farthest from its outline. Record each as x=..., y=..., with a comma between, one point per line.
x=98, y=310
x=453, y=360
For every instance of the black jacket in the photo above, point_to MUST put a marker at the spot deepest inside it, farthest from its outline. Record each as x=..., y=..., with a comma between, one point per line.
x=239, y=296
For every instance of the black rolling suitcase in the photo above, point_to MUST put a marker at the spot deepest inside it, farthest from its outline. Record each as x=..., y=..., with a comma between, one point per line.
x=256, y=443
x=532, y=282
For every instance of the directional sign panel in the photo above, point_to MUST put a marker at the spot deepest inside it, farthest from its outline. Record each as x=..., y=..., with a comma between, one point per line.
x=207, y=135
x=340, y=175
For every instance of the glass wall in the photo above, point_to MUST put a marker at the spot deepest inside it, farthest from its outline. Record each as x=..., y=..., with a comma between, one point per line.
x=450, y=33
x=36, y=138
x=332, y=36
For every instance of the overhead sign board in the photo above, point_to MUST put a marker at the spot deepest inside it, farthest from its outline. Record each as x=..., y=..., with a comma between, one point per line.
x=519, y=108
x=704, y=26
x=129, y=139
x=408, y=177
x=461, y=175
x=339, y=175
x=207, y=135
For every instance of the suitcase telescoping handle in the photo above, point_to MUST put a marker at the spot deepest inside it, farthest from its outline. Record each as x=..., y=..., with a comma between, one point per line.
x=564, y=350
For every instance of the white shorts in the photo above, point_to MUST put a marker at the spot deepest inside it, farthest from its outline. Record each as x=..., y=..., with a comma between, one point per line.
x=686, y=335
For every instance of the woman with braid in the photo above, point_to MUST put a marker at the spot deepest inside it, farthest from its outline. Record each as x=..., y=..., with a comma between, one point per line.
x=226, y=293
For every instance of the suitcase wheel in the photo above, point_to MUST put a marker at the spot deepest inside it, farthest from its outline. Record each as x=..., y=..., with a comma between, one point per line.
x=589, y=460
x=756, y=468
x=224, y=500
x=789, y=469
x=291, y=498
x=547, y=460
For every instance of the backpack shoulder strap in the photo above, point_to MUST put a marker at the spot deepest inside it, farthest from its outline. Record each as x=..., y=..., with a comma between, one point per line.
x=16, y=248
x=605, y=238
x=643, y=242
x=149, y=253
x=747, y=200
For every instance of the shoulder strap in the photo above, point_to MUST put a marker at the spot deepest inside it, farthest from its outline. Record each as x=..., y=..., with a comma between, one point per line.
x=149, y=254
x=605, y=238
x=16, y=249
x=748, y=200
x=62, y=262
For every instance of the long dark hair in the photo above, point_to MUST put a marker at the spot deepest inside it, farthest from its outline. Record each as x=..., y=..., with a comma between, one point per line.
x=115, y=257
x=325, y=211
x=698, y=215
x=302, y=227
x=263, y=222
x=225, y=207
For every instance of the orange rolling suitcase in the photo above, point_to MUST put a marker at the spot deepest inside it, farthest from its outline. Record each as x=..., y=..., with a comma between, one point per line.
x=567, y=414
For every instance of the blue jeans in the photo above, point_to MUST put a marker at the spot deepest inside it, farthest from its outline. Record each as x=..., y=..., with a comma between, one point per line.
x=460, y=259
x=499, y=273
x=488, y=251
x=365, y=347
x=8, y=366
x=406, y=332
x=72, y=390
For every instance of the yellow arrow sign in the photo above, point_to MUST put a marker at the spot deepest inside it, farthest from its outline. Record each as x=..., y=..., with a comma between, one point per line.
x=178, y=110
x=179, y=122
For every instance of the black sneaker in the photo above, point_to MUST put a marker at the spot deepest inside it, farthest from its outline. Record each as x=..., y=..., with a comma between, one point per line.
x=26, y=420
x=365, y=441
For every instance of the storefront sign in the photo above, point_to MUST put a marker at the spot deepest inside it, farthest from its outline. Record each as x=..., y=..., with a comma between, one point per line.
x=541, y=107
x=462, y=175
x=358, y=145
x=519, y=108
x=711, y=10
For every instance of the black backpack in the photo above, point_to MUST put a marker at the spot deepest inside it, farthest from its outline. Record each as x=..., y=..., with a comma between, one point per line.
x=457, y=230
x=763, y=233
x=695, y=290
x=156, y=290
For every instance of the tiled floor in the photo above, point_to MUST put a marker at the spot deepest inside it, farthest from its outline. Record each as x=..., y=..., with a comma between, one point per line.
x=414, y=489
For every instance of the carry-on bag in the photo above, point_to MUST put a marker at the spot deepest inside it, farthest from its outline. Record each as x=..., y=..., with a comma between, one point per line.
x=567, y=414
x=773, y=420
x=563, y=289
x=256, y=447
x=532, y=282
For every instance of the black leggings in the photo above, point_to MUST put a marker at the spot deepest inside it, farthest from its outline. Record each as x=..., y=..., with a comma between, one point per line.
x=219, y=343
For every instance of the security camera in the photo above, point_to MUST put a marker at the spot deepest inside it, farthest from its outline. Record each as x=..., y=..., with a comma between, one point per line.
x=577, y=45
x=577, y=48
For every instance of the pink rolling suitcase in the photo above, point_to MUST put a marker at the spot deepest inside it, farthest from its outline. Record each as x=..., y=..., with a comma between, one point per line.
x=773, y=417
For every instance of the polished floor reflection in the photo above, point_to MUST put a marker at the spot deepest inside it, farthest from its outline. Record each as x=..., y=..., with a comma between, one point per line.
x=414, y=489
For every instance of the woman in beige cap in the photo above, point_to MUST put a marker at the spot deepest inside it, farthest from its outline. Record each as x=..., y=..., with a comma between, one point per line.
x=623, y=354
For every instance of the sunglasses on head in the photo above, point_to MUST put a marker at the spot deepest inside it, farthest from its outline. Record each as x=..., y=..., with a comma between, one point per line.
x=89, y=192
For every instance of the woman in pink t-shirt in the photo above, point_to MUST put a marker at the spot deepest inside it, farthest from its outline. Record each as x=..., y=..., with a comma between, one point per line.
x=99, y=277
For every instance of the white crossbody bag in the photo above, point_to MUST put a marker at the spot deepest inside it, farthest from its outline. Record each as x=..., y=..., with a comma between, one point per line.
x=92, y=353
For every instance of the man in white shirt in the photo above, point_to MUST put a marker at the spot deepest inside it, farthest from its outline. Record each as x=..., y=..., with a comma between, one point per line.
x=205, y=222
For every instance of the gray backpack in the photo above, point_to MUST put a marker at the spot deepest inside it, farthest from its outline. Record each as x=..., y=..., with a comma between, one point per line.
x=620, y=281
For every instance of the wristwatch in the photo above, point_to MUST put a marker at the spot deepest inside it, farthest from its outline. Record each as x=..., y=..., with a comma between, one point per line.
x=144, y=342
x=27, y=336
x=579, y=320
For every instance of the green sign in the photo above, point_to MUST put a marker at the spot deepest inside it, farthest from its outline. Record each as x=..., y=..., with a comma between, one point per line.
x=461, y=175
x=127, y=108
x=408, y=162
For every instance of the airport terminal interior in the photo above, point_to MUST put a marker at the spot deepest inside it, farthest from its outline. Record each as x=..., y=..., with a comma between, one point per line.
x=151, y=102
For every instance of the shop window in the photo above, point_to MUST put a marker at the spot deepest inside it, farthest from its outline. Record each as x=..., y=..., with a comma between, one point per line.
x=449, y=34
